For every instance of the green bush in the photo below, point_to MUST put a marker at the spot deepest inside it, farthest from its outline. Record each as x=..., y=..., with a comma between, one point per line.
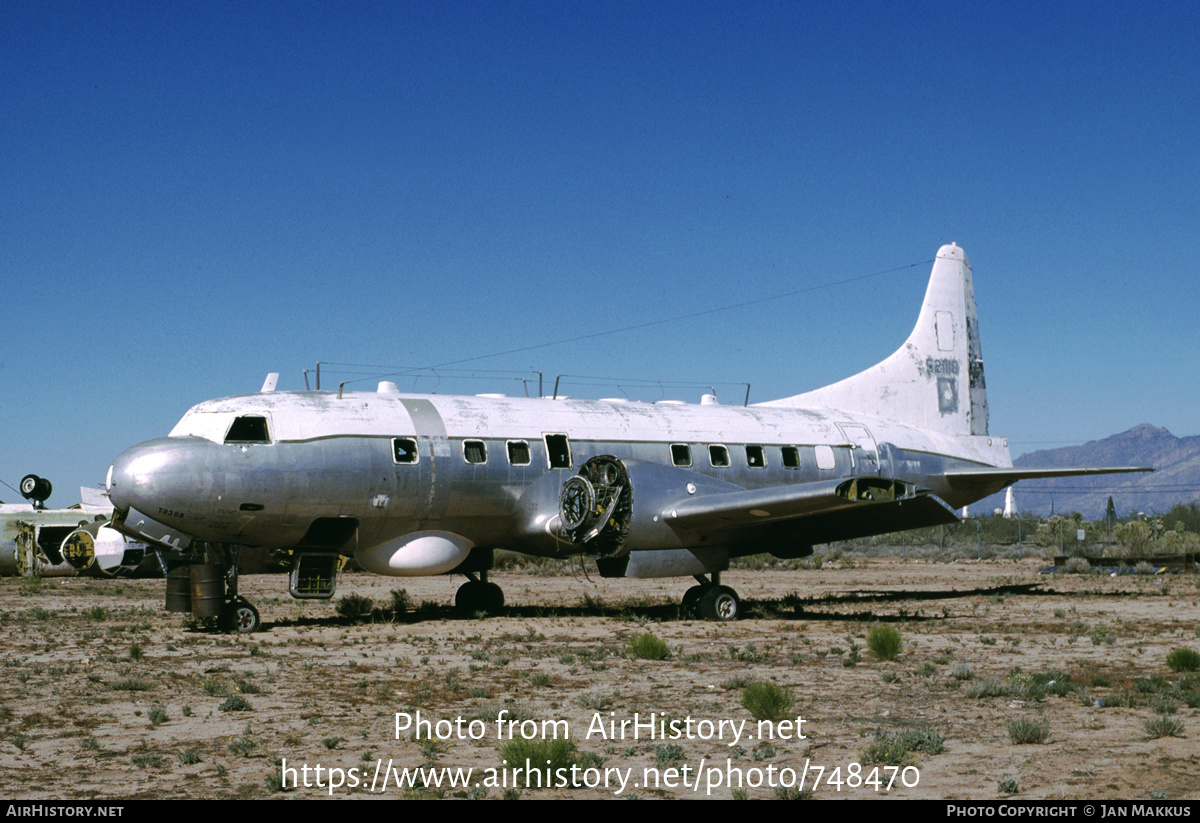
x=552, y=758
x=884, y=642
x=768, y=701
x=648, y=647
x=1183, y=660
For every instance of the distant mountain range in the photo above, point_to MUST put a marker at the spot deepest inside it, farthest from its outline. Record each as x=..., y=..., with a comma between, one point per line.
x=1176, y=479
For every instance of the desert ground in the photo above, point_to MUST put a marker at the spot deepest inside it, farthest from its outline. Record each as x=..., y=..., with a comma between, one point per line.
x=1008, y=683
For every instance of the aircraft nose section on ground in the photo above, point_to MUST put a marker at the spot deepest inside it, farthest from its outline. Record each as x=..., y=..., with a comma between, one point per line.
x=150, y=486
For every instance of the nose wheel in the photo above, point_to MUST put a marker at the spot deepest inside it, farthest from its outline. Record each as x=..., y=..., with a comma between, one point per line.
x=240, y=616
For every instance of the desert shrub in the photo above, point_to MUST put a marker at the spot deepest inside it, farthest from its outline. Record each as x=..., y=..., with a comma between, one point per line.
x=1023, y=731
x=668, y=754
x=649, y=647
x=768, y=701
x=1164, y=726
x=355, y=607
x=235, y=703
x=1183, y=660
x=401, y=602
x=894, y=748
x=1008, y=785
x=884, y=642
x=549, y=756
x=1078, y=565
x=987, y=687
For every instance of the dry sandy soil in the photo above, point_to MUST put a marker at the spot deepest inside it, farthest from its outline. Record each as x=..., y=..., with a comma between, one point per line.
x=104, y=695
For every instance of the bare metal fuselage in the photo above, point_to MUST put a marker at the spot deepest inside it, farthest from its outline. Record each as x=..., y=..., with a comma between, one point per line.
x=478, y=459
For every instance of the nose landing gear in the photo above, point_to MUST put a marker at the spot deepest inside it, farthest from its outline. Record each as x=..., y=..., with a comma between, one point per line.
x=208, y=590
x=240, y=616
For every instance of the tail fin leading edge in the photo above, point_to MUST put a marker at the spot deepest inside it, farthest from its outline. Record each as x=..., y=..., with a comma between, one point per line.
x=935, y=380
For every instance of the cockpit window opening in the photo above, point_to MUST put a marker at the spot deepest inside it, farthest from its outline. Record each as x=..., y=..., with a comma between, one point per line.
x=474, y=451
x=249, y=428
x=404, y=450
x=518, y=453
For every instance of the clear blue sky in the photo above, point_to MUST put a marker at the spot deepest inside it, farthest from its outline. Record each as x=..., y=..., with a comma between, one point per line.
x=195, y=194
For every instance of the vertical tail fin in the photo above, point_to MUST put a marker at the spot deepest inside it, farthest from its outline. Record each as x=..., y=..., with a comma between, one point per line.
x=935, y=380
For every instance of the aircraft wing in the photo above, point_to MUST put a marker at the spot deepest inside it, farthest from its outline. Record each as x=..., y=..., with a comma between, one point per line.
x=820, y=511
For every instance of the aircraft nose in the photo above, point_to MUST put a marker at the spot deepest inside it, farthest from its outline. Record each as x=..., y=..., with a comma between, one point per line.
x=152, y=489
x=138, y=474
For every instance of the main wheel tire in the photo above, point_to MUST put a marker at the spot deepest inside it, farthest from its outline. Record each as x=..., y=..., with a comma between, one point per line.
x=476, y=596
x=35, y=488
x=241, y=617
x=691, y=600
x=720, y=603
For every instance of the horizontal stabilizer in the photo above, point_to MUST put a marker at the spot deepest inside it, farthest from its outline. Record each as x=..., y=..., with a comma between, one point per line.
x=1008, y=475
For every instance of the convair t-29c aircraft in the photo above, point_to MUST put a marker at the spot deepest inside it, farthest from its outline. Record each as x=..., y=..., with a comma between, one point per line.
x=428, y=484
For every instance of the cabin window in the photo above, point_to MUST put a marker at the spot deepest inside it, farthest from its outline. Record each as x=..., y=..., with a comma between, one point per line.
x=825, y=458
x=718, y=455
x=791, y=457
x=248, y=429
x=474, y=451
x=755, y=458
x=518, y=453
x=558, y=451
x=681, y=454
x=404, y=450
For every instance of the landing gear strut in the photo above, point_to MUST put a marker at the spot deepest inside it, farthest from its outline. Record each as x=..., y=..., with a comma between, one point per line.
x=712, y=601
x=208, y=590
x=237, y=615
x=478, y=595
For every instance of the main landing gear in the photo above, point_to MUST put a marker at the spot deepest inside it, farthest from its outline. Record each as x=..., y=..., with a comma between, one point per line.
x=478, y=595
x=712, y=601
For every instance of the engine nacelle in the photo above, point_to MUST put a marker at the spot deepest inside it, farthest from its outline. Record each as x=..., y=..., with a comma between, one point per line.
x=416, y=555
x=100, y=550
x=612, y=507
